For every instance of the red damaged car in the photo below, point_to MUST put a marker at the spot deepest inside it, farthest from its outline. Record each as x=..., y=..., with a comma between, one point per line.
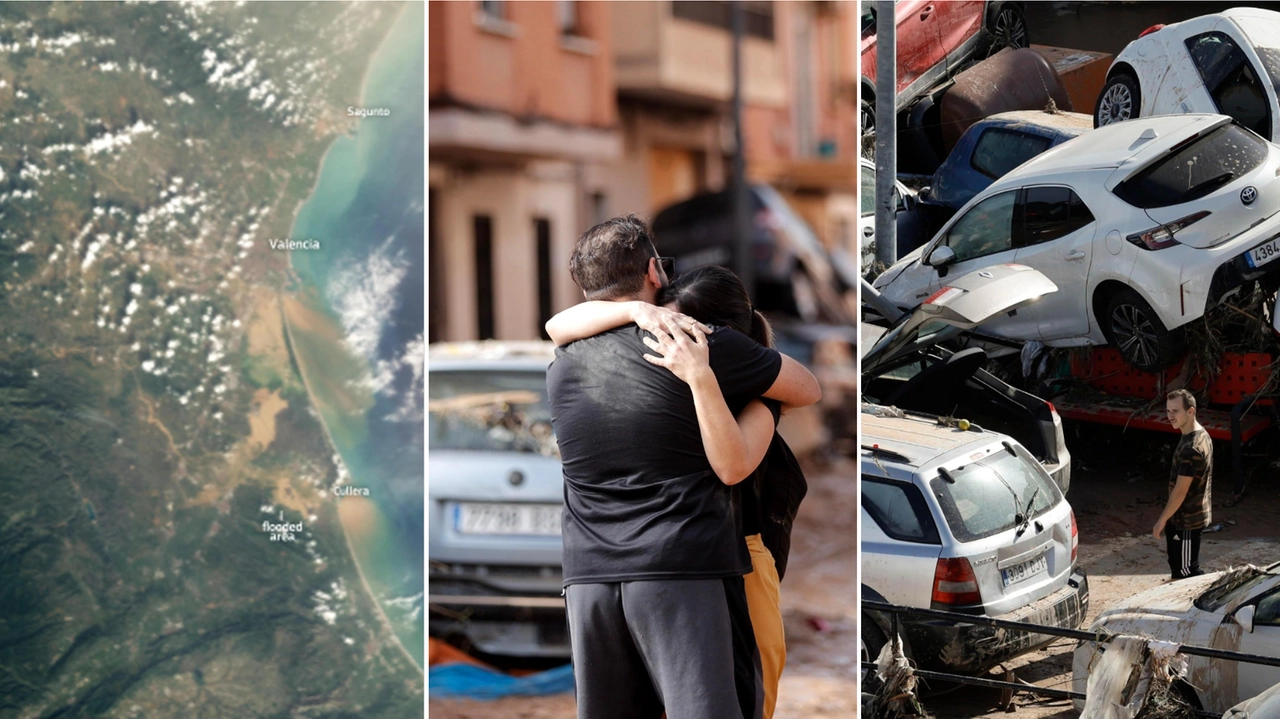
x=935, y=39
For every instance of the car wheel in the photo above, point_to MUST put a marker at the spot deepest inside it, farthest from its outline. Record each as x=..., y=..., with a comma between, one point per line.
x=1120, y=100
x=867, y=128
x=1137, y=332
x=1010, y=27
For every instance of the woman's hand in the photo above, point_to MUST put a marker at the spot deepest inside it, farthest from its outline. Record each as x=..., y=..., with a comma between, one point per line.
x=654, y=318
x=683, y=352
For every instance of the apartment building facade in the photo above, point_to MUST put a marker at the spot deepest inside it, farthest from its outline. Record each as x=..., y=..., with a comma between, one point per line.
x=546, y=117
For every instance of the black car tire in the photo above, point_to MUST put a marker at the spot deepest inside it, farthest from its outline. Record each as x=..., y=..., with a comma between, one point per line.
x=1122, y=99
x=1136, y=331
x=866, y=126
x=1009, y=27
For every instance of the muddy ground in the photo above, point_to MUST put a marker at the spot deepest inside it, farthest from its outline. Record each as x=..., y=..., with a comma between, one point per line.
x=821, y=677
x=1119, y=485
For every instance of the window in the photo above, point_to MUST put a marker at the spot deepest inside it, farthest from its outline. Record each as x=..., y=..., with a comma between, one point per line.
x=496, y=9
x=1268, y=611
x=757, y=20
x=542, y=234
x=900, y=510
x=988, y=495
x=1219, y=595
x=495, y=411
x=599, y=208
x=484, y=276
x=998, y=151
x=867, y=192
x=1195, y=169
x=1231, y=80
x=568, y=17
x=985, y=229
x=1048, y=213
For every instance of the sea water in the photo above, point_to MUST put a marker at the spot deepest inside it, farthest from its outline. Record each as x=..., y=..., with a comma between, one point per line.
x=367, y=278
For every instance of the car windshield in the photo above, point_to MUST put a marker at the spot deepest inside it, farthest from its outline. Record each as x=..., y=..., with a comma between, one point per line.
x=1231, y=588
x=991, y=495
x=1196, y=169
x=494, y=411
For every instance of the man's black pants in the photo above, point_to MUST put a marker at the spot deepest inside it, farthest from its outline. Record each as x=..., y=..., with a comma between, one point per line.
x=1184, y=552
x=679, y=646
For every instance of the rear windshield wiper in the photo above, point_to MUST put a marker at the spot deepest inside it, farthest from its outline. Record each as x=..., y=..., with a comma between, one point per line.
x=1024, y=519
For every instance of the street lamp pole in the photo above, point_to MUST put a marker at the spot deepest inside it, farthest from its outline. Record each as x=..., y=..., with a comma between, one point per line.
x=886, y=133
x=741, y=209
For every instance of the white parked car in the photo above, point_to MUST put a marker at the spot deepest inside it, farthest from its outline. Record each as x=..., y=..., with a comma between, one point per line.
x=494, y=497
x=1238, y=610
x=1142, y=225
x=964, y=520
x=911, y=225
x=1226, y=63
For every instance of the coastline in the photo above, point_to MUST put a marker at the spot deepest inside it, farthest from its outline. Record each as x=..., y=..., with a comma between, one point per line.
x=364, y=87
x=333, y=445
x=298, y=278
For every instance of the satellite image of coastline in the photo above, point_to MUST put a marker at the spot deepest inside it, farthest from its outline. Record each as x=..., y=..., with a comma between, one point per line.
x=211, y=360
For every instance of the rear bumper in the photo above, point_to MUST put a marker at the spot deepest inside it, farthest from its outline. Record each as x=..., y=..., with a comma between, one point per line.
x=1236, y=271
x=967, y=648
x=503, y=623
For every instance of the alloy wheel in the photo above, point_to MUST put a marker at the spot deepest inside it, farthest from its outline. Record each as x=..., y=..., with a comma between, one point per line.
x=1135, y=335
x=1117, y=105
x=1011, y=30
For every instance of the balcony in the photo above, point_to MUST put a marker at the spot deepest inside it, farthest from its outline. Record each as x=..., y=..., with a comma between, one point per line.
x=683, y=55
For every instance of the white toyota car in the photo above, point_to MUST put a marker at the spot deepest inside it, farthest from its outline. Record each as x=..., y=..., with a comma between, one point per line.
x=1227, y=62
x=1143, y=226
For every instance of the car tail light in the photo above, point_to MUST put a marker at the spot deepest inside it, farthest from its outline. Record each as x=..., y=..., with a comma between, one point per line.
x=954, y=583
x=1162, y=236
x=1154, y=28
x=1075, y=538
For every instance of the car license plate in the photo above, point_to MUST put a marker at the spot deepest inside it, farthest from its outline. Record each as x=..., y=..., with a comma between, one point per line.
x=1262, y=254
x=496, y=518
x=1025, y=570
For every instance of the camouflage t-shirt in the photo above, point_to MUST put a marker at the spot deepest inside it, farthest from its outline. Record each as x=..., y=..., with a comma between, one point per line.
x=1193, y=458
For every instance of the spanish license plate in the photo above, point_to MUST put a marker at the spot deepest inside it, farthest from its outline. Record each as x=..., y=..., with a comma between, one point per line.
x=1025, y=570
x=498, y=518
x=1262, y=254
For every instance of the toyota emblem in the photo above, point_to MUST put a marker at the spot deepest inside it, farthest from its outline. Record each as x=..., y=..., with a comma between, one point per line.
x=1248, y=195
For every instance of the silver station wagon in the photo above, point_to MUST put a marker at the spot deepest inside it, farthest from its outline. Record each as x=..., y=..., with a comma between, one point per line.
x=964, y=520
x=494, y=500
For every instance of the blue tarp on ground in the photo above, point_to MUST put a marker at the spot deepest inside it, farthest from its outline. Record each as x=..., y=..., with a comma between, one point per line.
x=464, y=681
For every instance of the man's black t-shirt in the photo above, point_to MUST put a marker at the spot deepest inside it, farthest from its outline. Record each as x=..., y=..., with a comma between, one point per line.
x=640, y=498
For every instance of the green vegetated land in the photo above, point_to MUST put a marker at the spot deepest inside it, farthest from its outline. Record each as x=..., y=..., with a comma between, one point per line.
x=151, y=414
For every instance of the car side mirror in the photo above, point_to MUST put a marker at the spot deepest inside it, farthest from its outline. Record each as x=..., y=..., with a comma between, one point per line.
x=941, y=257
x=1244, y=616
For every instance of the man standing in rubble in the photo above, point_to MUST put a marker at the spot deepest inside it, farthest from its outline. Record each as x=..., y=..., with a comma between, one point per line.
x=1189, y=508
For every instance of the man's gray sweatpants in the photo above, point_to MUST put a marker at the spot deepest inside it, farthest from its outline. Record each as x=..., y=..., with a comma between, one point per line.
x=641, y=648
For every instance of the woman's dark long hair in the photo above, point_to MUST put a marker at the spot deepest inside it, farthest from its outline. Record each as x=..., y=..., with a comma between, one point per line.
x=715, y=296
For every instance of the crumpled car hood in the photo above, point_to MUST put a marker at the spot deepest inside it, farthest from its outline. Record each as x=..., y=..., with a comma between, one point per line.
x=1172, y=599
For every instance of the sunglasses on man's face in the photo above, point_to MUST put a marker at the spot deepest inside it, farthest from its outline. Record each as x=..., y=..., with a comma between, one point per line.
x=668, y=265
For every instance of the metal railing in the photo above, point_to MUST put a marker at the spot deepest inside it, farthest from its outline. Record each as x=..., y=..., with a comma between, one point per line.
x=1101, y=637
